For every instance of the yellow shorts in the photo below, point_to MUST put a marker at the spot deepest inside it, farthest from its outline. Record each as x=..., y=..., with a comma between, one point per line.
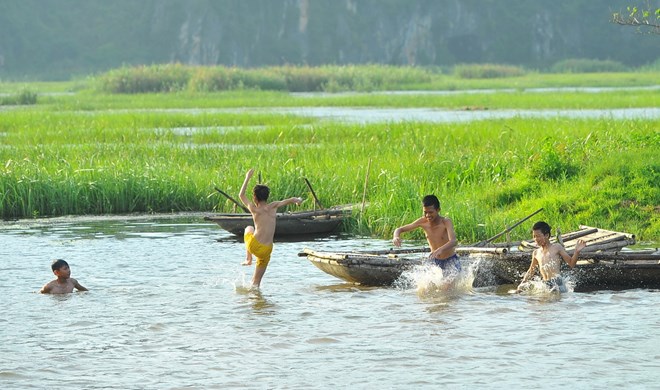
x=260, y=251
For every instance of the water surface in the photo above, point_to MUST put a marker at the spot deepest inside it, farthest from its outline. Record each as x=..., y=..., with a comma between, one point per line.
x=167, y=308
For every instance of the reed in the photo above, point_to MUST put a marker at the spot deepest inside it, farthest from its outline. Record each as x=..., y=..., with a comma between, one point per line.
x=174, y=78
x=584, y=65
x=24, y=97
x=487, y=174
x=487, y=71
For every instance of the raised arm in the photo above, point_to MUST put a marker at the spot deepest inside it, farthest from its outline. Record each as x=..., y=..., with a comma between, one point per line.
x=284, y=202
x=396, y=239
x=246, y=201
x=572, y=260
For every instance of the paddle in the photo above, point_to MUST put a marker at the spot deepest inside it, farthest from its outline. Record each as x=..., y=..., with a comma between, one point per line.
x=232, y=199
x=318, y=203
x=482, y=243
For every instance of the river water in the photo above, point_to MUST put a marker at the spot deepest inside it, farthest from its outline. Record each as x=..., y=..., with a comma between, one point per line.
x=169, y=308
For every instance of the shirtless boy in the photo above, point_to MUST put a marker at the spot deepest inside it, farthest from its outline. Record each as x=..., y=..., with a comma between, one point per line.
x=259, y=238
x=64, y=283
x=548, y=258
x=440, y=235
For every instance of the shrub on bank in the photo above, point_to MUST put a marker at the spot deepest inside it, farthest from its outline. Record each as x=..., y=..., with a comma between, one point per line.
x=146, y=79
x=172, y=78
x=487, y=71
x=583, y=65
x=23, y=98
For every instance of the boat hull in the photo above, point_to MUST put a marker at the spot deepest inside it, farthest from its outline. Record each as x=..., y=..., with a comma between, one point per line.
x=600, y=271
x=287, y=224
x=366, y=272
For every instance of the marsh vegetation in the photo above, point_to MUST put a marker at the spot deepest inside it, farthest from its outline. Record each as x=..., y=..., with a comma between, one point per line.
x=92, y=152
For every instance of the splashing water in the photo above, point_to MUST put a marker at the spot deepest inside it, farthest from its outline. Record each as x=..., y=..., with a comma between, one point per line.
x=428, y=280
x=537, y=286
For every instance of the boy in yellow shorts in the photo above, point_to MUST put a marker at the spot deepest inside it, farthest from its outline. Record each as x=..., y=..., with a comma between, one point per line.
x=259, y=238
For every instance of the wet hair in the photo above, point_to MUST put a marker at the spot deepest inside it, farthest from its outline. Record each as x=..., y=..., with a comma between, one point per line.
x=542, y=227
x=261, y=192
x=431, y=200
x=58, y=263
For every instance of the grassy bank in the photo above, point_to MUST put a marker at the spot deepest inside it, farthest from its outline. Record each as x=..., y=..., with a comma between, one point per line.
x=488, y=174
x=175, y=77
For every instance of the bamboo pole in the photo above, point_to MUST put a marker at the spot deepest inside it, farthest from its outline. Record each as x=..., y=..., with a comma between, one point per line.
x=232, y=199
x=316, y=199
x=364, y=191
x=482, y=243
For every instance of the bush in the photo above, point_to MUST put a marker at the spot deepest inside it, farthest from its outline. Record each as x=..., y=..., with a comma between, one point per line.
x=25, y=97
x=145, y=79
x=487, y=71
x=553, y=164
x=583, y=65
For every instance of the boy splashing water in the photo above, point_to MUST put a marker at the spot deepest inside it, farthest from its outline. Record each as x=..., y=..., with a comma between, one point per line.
x=441, y=237
x=548, y=259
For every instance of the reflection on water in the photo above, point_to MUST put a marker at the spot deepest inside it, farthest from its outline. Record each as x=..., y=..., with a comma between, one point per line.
x=169, y=307
x=480, y=91
x=376, y=115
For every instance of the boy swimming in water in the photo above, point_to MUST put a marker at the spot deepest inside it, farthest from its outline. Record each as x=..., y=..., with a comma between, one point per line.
x=548, y=258
x=259, y=238
x=64, y=283
x=440, y=235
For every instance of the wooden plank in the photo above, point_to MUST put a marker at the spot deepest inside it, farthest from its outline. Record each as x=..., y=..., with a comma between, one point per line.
x=624, y=233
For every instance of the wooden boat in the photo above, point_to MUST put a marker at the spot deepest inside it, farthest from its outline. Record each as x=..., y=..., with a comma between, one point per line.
x=323, y=221
x=604, y=264
x=376, y=268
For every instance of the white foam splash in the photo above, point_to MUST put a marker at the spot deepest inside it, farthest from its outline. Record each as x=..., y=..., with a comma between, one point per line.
x=428, y=280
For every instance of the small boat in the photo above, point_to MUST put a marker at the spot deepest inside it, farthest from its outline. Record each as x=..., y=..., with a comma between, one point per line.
x=381, y=268
x=317, y=222
x=605, y=263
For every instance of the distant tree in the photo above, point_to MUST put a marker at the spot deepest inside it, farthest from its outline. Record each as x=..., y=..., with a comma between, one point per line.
x=645, y=19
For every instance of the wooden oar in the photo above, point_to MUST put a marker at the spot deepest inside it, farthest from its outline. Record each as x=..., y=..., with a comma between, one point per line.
x=318, y=203
x=482, y=243
x=232, y=199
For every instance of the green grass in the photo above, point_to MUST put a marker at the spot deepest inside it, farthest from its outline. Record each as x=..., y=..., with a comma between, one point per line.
x=89, y=101
x=84, y=152
x=487, y=174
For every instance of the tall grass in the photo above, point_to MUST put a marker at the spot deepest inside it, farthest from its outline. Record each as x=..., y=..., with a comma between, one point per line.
x=584, y=65
x=487, y=71
x=487, y=174
x=177, y=77
x=24, y=97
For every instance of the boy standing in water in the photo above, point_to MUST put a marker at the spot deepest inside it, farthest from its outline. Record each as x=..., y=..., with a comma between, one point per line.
x=440, y=235
x=548, y=258
x=259, y=239
x=64, y=283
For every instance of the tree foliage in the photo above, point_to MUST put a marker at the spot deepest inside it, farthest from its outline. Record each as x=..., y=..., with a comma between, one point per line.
x=645, y=19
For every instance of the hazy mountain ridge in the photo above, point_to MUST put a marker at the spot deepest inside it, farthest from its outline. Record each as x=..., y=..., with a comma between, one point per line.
x=59, y=38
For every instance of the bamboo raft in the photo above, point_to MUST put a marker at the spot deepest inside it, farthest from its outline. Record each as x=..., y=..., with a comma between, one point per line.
x=605, y=263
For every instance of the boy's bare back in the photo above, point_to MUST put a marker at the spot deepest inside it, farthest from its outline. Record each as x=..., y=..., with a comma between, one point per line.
x=264, y=214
